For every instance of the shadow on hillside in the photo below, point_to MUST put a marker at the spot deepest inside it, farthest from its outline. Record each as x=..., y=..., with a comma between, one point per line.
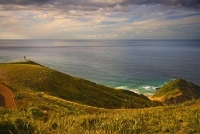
x=2, y=101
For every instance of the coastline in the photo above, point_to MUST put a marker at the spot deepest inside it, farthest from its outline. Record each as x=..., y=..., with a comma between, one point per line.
x=39, y=78
x=132, y=64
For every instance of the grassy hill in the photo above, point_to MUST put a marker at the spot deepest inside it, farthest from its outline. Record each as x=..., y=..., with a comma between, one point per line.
x=46, y=111
x=25, y=76
x=177, y=91
x=48, y=114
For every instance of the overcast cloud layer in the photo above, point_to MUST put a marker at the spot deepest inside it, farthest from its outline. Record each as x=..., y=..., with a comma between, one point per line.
x=100, y=19
x=189, y=3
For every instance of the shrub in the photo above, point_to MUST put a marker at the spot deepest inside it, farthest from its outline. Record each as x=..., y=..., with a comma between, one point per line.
x=36, y=112
x=4, y=111
x=6, y=127
x=19, y=97
x=54, y=126
x=23, y=127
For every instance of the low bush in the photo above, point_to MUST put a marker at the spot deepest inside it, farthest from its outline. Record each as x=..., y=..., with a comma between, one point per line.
x=36, y=112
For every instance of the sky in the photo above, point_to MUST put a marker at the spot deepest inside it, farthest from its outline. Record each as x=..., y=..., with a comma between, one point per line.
x=99, y=19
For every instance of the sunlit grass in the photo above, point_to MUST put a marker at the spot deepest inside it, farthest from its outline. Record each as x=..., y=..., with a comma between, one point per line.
x=22, y=77
x=183, y=118
x=41, y=110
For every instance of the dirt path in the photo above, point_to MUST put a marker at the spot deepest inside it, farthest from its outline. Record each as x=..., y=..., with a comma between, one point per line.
x=6, y=97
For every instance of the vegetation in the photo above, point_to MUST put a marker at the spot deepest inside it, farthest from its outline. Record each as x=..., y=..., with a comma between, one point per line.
x=42, y=109
x=63, y=117
x=23, y=76
x=177, y=91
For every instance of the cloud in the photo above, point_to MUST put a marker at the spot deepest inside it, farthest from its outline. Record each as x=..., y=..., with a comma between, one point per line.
x=99, y=19
x=99, y=3
x=25, y=2
x=187, y=3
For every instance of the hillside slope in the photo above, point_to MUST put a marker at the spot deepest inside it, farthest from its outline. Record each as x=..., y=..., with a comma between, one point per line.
x=177, y=91
x=40, y=112
x=24, y=76
x=51, y=115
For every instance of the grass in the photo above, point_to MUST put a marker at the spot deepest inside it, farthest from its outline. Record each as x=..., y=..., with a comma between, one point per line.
x=179, y=89
x=26, y=62
x=45, y=111
x=63, y=117
x=23, y=76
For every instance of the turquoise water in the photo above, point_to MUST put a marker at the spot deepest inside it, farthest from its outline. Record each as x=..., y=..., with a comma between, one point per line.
x=137, y=65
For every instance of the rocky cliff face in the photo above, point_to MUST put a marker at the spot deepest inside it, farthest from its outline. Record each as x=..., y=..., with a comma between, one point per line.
x=177, y=91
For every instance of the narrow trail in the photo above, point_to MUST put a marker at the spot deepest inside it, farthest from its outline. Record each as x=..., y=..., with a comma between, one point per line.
x=6, y=97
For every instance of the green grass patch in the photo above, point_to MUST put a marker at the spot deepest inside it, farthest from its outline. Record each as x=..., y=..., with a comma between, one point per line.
x=178, y=90
x=30, y=75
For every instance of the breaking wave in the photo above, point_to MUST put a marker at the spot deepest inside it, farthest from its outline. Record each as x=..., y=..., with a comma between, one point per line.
x=145, y=89
x=126, y=88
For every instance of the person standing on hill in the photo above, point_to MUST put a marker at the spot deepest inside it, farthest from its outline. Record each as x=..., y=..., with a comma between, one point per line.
x=24, y=58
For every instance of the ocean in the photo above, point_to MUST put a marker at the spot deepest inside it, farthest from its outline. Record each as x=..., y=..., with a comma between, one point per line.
x=137, y=65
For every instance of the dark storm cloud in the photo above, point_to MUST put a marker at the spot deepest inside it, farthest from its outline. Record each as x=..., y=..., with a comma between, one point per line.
x=185, y=3
x=25, y=2
x=101, y=3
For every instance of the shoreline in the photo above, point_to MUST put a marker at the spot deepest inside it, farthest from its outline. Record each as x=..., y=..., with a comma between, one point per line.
x=72, y=88
x=144, y=88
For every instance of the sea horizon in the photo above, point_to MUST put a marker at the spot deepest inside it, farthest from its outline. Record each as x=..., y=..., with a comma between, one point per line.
x=137, y=65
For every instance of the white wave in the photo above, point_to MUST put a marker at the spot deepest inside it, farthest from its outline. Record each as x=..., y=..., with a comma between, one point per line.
x=126, y=88
x=149, y=88
x=122, y=87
